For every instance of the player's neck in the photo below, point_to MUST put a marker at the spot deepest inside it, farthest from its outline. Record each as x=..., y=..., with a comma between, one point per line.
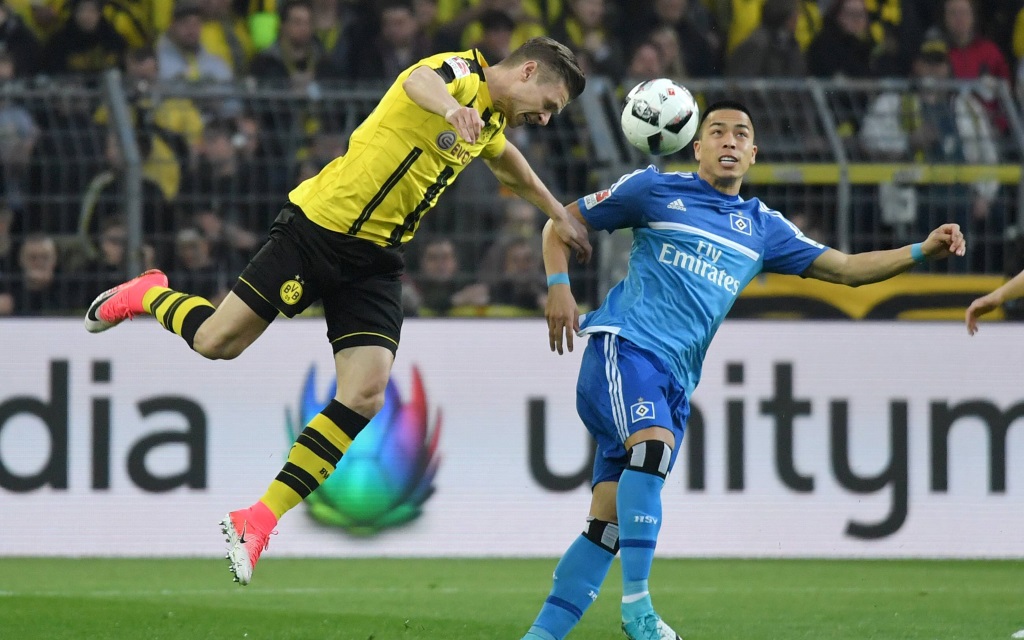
x=495, y=80
x=497, y=86
x=730, y=186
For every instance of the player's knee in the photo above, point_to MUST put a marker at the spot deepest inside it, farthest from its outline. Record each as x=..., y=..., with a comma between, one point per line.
x=217, y=345
x=602, y=533
x=650, y=456
x=367, y=398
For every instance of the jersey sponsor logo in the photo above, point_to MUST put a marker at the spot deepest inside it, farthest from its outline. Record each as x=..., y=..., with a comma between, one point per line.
x=643, y=410
x=594, y=198
x=291, y=292
x=677, y=204
x=459, y=66
x=445, y=140
x=462, y=154
x=703, y=265
x=739, y=223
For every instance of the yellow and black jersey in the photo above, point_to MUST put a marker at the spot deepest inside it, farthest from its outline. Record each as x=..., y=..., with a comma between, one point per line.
x=402, y=157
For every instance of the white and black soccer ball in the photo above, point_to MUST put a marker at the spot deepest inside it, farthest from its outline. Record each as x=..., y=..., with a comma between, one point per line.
x=660, y=117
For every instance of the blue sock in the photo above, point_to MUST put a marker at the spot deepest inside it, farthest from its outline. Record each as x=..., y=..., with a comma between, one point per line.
x=639, y=509
x=578, y=579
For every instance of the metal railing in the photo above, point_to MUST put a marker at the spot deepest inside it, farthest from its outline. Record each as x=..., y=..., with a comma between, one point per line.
x=856, y=164
x=189, y=177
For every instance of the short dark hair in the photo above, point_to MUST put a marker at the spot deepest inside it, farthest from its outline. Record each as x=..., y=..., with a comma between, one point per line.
x=554, y=57
x=495, y=20
x=286, y=8
x=723, y=105
x=185, y=8
x=775, y=13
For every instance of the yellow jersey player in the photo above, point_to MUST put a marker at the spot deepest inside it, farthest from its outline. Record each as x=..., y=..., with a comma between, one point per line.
x=339, y=239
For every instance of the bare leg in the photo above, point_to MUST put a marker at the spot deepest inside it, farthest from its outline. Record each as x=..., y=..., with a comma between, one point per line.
x=229, y=331
x=363, y=374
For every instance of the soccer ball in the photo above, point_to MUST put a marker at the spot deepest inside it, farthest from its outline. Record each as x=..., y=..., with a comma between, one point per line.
x=660, y=117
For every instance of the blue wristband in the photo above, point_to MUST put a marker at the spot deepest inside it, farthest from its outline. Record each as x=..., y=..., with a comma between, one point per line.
x=916, y=252
x=558, y=278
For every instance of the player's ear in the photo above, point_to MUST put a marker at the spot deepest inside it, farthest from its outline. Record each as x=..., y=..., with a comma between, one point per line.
x=753, y=154
x=528, y=70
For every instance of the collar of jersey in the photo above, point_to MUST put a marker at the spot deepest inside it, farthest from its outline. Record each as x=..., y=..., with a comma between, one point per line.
x=484, y=101
x=706, y=186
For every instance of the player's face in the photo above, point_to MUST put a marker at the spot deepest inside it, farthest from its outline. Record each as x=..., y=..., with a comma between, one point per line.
x=726, y=147
x=535, y=101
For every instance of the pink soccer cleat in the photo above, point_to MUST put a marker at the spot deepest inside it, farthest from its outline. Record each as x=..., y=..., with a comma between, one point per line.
x=123, y=302
x=246, y=541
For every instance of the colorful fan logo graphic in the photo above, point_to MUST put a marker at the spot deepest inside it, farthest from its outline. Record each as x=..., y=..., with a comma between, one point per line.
x=388, y=472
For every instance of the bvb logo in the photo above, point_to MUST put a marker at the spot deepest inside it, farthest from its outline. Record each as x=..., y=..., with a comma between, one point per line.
x=446, y=140
x=291, y=292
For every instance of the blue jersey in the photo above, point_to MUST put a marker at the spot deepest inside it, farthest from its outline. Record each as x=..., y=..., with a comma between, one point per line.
x=694, y=250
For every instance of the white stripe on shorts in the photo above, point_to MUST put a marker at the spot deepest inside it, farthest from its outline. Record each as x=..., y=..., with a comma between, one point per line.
x=611, y=369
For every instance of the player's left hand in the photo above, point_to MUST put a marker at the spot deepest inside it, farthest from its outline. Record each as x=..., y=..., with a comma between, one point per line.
x=944, y=241
x=978, y=308
x=574, y=234
x=563, y=317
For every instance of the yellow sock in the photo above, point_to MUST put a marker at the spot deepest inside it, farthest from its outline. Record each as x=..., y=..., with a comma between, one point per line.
x=179, y=313
x=313, y=457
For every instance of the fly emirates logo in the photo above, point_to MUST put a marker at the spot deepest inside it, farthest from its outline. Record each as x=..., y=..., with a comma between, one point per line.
x=704, y=265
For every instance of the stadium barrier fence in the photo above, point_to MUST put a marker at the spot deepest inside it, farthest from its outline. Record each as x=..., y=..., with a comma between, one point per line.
x=195, y=174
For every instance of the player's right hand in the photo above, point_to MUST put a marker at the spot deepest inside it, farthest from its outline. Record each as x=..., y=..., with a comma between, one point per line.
x=978, y=308
x=563, y=317
x=467, y=122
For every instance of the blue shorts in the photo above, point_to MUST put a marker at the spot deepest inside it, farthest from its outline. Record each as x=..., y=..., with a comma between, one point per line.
x=621, y=390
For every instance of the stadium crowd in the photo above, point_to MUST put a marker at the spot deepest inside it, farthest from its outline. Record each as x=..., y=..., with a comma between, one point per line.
x=217, y=166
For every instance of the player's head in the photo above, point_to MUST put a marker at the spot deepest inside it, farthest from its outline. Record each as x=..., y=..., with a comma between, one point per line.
x=543, y=77
x=725, y=147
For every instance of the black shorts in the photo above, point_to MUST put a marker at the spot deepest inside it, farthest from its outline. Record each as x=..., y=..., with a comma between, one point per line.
x=358, y=281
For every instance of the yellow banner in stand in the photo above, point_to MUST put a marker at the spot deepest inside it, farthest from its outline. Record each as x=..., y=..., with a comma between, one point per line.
x=906, y=297
x=873, y=173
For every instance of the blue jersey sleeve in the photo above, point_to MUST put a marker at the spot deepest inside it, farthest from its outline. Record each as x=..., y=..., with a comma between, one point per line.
x=787, y=249
x=621, y=206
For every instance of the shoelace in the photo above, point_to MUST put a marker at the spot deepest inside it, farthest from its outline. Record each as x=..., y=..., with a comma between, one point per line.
x=119, y=307
x=261, y=539
x=648, y=626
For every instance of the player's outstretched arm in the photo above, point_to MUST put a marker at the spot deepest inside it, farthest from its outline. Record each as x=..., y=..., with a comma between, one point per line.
x=562, y=314
x=991, y=301
x=513, y=171
x=875, y=266
x=430, y=93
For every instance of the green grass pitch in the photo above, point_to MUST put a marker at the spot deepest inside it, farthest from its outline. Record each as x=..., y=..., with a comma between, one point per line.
x=416, y=599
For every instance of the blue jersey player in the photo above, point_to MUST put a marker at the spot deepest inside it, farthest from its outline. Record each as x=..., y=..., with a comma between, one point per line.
x=696, y=244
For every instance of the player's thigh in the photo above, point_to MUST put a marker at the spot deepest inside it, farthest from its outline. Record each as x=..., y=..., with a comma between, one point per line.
x=662, y=434
x=364, y=322
x=366, y=311
x=363, y=374
x=234, y=320
x=625, y=395
x=285, y=276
